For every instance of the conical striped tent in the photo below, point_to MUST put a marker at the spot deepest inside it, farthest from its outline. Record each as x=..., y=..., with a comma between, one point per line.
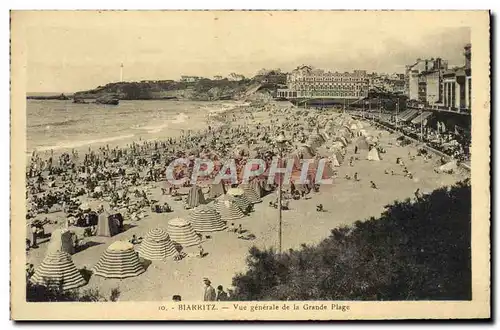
x=237, y=195
x=251, y=195
x=181, y=232
x=195, y=197
x=119, y=261
x=204, y=218
x=157, y=245
x=216, y=190
x=228, y=210
x=57, y=271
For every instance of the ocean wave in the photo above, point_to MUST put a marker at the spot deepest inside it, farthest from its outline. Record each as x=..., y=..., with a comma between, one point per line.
x=151, y=129
x=181, y=118
x=77, y=144
x=57, y=123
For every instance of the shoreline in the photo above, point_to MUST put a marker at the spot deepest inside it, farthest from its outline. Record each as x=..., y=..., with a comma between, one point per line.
x=213, y=117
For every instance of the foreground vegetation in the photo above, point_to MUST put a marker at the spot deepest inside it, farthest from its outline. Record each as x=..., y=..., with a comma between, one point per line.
x=39, y=293
x=417, y=250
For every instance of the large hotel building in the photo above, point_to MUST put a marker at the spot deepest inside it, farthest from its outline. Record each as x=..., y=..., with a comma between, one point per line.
x=306, y=82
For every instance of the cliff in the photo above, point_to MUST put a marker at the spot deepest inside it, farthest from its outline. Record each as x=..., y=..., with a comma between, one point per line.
x=202, y=90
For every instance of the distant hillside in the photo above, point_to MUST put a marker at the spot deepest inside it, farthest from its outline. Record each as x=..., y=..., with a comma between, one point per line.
x=202, y=90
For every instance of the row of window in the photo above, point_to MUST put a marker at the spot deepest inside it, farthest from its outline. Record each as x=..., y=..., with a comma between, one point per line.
x=327, y=79
x=334, y=87
x=336, y=94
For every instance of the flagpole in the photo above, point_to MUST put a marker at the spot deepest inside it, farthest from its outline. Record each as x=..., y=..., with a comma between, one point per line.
x=397, y=113
x=421, y=126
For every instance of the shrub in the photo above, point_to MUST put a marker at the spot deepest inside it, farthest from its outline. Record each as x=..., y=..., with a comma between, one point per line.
x=416, y=250
x=39, y=293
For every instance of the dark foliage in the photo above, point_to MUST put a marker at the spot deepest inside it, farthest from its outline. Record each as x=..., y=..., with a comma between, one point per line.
x=39, y=293
x=416, y=250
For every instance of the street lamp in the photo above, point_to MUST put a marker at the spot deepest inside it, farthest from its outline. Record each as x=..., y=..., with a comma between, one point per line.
x=280, y=142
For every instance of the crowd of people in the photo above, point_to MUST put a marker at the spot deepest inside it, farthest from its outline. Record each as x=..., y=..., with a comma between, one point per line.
x=453, y=143
x=115, y=178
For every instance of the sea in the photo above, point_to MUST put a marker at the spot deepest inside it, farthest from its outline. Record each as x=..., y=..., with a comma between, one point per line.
x=63, y=125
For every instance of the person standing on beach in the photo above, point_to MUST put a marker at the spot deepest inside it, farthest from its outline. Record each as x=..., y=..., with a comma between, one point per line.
x=221, y=294
x=34, y=232
x=209, y=294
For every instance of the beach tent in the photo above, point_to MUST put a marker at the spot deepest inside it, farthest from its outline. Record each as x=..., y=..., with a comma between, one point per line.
x=256, y=184
x=448, y=167
x=341, y=140
x=84, y=207
x=316, y=140
x=61, y=240
x=306, y=152
x=250, y=193
x=336, y=145
x=241, y=151
x=117, y=217
x=327, y=170
x=228, y=210
x=107, y=226
x=361, y=143
x=343, y=132
x=57, y=271
x=334, y=160
x=119, y=261
x=372, y=139
x=204, y=218
x=195, y=197
x=182, y=232
x=237, y=195
x=216, y=190
x=157, y=245
x=325, y=135
x=373, y=154
x=339, y=156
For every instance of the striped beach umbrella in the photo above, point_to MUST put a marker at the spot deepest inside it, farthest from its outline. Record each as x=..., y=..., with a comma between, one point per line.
x=119, y=261
x=195, y=197
x=237, y=195
x=228, y=210
x=250, y=193
x=204, y=218
x=57, y=271
x=181, y=232
x=157, y=245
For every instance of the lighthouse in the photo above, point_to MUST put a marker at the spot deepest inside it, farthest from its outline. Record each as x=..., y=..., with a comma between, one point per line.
x=121, y=72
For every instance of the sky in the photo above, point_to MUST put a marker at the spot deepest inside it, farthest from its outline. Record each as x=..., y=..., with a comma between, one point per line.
x=77, y=50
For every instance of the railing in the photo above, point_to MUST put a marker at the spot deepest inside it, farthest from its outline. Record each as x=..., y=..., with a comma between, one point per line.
x=463, y=110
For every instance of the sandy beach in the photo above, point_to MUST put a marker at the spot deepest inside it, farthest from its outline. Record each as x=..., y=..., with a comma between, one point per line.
x=345, y=201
